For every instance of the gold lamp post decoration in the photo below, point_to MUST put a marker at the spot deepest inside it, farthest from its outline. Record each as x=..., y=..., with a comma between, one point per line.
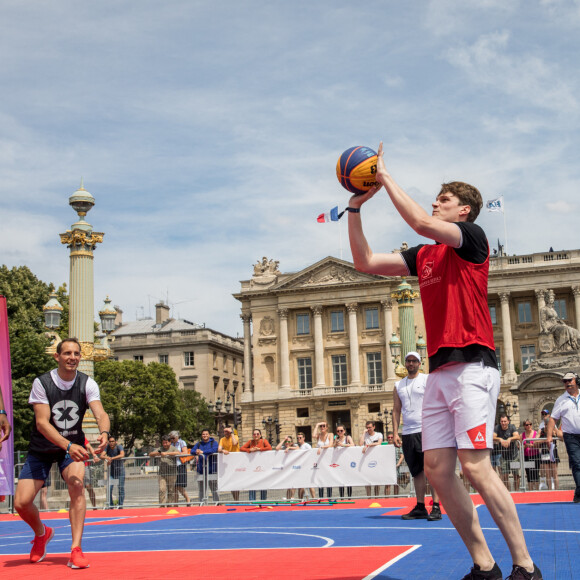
x=405, y=297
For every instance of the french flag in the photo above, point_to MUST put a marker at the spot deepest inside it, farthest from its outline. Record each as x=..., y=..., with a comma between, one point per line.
x=331, y=216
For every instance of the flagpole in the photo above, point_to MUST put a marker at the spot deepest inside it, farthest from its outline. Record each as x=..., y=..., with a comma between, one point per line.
x=504, y=228
x=340, y=237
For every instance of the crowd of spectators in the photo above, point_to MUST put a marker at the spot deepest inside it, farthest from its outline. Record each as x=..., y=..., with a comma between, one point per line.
x=174, y=456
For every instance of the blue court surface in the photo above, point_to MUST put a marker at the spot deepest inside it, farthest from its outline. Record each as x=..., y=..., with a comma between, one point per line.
x=350, y=541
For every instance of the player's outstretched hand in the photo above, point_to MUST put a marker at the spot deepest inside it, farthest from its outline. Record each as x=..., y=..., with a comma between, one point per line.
x=78, y=453
x=358, y=200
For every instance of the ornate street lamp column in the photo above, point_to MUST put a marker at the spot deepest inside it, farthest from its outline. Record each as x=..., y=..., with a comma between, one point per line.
x=82, y=241
x=405, y=296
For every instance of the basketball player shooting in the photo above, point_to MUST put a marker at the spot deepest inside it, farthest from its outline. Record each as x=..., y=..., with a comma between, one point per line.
x=463, y=383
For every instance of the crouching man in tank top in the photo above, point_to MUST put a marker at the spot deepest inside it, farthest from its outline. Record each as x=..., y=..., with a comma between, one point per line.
x=60, y=399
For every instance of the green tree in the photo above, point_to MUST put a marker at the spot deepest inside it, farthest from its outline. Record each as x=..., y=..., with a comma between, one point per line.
x=144, y=402
x=25, y=296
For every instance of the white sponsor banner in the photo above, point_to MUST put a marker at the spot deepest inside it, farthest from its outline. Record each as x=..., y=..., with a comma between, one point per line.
x=333, y=467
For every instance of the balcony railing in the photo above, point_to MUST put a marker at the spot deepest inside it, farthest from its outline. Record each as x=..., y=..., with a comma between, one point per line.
x=341, y=390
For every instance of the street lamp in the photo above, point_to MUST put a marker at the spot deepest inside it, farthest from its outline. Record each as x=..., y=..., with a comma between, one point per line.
x=232, y=405
x=108, y=315
x=395, y=345
x=422, y=347
x=52, y=317
x=386, y=415
x=272, y=426
x=505, y=410
x=216, y=410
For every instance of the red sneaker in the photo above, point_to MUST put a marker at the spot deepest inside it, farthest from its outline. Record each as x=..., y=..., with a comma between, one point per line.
x=77, y=559
x=39, y=543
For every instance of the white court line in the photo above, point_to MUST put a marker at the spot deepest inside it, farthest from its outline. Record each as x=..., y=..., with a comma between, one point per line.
x=391, y=562
x=328, y=541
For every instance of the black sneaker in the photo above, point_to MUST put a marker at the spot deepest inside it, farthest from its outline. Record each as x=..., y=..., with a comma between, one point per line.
x=478, y=574
x=519, y=573
x=435, y=514
x=576, y=499
x=417, y=513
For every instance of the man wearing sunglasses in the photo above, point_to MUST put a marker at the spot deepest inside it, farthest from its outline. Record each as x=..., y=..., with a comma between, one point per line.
x=566, y=409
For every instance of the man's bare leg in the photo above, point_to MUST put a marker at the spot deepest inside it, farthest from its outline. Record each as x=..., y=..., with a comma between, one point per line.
x=74, y=478
x=477, y=467
x=440, y=470
x=24, y=503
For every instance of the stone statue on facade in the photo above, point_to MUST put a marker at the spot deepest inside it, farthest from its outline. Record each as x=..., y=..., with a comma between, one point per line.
x=556, y=335
x=266, y=272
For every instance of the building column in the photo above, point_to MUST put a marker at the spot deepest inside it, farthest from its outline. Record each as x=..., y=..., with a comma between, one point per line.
x=352, y=309
x=318, y=346
x=388, y=320
x=284, y=350
x=508, y=347
x=247, y=392
x=576, y=292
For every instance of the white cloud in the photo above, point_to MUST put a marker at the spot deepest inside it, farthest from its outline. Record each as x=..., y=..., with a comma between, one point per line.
x=561, y=207
x=527, y=77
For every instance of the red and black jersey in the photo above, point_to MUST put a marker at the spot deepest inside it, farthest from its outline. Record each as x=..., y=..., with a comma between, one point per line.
x=453, y=285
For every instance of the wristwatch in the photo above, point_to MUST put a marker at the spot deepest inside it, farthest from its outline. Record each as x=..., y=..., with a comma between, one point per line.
x=3, y=412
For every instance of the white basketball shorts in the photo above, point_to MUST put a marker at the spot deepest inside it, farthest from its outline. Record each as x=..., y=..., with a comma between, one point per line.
x=459, y=406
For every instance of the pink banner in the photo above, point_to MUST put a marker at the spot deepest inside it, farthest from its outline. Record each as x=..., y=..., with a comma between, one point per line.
x=7, y=452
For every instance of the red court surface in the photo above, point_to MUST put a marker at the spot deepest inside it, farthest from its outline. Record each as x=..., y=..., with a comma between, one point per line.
x=289, y=563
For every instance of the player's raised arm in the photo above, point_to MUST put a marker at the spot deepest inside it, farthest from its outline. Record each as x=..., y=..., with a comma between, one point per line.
x=438, y=226
x=363, y=257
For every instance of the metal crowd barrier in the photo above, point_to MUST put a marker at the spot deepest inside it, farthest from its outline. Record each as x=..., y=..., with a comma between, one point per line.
x=540, y=469
x=140, y=484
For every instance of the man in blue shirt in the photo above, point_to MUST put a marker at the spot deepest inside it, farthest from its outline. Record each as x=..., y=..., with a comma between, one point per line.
x=206, y=452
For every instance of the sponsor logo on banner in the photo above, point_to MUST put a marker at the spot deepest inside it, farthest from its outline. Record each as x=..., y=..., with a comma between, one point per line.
x=315, y=466
x=353, y=464
x=258, y=469
x=372, y=464
x=278, y=468
x=240, y=469
x=334, y=465
x=297, y=467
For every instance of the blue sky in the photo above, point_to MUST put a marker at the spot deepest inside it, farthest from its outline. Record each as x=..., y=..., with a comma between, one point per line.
x=208, y=132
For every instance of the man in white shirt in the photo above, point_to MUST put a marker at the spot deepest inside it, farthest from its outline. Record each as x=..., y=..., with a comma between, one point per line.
x=371, y=438
x=408, y=402
x=60, y=399
x=566, y=408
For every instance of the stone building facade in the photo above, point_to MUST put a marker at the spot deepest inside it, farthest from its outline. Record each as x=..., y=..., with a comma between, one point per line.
x=317, y=341
x=317, y=346
x=203, y=359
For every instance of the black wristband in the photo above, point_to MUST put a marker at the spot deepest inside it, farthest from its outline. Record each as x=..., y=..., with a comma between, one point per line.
x=108, y=434
x=353, y=209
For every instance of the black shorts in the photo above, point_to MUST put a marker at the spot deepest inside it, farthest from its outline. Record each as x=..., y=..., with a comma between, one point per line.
x=413, y=452
x=181, y=475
